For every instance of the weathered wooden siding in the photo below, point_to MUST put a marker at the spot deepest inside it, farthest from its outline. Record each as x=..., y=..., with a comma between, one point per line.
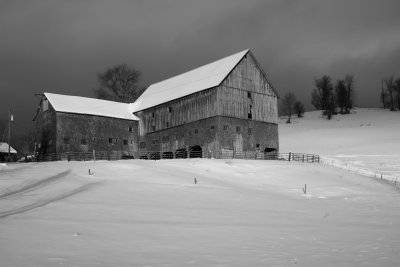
x=178, y=112
x=246, y=91
x=45, y=129
x=95, y=131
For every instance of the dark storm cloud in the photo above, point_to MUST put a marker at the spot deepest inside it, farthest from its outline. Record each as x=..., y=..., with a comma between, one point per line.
x=59, y=46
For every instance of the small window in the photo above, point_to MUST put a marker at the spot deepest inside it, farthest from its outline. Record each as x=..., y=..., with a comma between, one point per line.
x=238, y=129
x=196, y=131
x=125, y=142
x=83, y=141
x=212, y=127
x=225, y=127
x=165, y=138
x=154, y=142
x=258, y=145
x=102, y=139
x=249, y=131
x=110, y=140
x=167, y=124
x=45, y=104
x=66, y=140
x=250, y=116
x=152, y=115
x=169, y=109
x=94, y=139
x=249, y=95
x=153, y=128
x=130, y=129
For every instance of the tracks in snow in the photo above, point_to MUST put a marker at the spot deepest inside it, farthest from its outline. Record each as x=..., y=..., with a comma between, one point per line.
x=38, y=193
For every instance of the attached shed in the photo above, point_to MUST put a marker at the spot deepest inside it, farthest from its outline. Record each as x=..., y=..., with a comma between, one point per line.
x=227, y=107
x=4, y=149
x=78, y=124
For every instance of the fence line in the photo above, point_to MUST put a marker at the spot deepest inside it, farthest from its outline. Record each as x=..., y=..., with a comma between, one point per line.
x=179, y=154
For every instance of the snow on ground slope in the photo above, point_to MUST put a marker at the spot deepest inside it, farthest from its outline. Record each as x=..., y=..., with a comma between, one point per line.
x=367, y=140
x=240, y=213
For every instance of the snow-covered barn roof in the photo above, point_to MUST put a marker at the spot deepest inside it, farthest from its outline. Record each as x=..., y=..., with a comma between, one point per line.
x=202, y=78
x=4, y=148
x=90, y=106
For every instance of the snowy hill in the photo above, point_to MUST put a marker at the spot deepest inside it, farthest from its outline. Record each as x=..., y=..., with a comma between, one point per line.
x=367, y=140
x=240, y=212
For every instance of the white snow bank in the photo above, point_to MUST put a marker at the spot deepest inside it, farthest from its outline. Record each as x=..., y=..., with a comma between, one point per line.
x=365, y=141
x=3, y=166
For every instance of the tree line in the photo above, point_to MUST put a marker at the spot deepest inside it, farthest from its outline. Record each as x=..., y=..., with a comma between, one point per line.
x=331, y=98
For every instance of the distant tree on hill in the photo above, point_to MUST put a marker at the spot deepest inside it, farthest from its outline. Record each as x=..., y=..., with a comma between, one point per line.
x=299, y=109
x=322, y=96
x=119, y=83
x=340, y=91
x=349, y=83
x=397, y=86
x=390, y=88
x=287, y=105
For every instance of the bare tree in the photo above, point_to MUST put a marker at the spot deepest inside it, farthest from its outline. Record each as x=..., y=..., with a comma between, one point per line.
x=349, y=83
x=397, y=86
x=322, y=96
x=340, y=91
x=119, y=83
x=299, y=109
x=390, y=88
x=287, y=104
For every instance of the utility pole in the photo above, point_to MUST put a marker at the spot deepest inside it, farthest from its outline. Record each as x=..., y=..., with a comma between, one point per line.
x=9, y=132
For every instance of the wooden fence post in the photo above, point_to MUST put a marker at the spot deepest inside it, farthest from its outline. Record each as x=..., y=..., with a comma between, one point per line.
x=290, y=154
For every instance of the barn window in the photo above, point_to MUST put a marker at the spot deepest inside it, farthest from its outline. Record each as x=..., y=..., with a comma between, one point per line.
x=113, y=140
x=249, y=131
x=225, y=127
x=153, y=128
x=238, y=129
x=169, y=109
x=249, y=95
x=94, y=139
x=125, y=142
x=167, y=124
x=196, y=131
x=155, y=141
x=258, y=145
x=66, y=140
x=102, y=139
x=165, y=138
x=152, y=115
x=83, y=141
x=250, y=116
x=212, y=127
x=130, y=129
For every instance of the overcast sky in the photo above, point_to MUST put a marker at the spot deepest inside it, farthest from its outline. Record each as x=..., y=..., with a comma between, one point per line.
x=59, y=46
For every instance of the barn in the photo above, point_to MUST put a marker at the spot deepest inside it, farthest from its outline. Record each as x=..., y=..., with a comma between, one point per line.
x=79, y=124
x=227, y=108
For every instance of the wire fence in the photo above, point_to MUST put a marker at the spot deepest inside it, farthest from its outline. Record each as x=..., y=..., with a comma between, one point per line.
x=178, y=154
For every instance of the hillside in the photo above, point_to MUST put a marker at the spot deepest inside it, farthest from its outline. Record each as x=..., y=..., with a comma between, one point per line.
x=366, y=139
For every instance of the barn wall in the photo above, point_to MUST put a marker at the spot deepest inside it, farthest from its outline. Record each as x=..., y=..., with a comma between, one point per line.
x=87, y=133
x=45, y=129
x=241, y=135
x=178, y=112
x=246, y=91
x=201, y=132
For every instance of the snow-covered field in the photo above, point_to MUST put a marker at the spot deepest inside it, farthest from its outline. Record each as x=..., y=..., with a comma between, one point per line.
x=366, y=141
x=240, y=213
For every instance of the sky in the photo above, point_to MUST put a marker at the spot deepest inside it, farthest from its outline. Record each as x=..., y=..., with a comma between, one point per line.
x=59, y=46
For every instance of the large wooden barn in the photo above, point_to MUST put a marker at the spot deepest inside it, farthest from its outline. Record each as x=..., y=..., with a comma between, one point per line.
x=227, y=108
x=78, y=124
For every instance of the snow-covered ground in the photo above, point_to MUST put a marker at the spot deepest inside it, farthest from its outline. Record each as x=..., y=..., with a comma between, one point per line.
x=366, y=141
x=240, y=213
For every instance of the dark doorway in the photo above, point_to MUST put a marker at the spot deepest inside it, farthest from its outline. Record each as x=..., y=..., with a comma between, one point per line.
x=270, y=153
x=195, y=152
